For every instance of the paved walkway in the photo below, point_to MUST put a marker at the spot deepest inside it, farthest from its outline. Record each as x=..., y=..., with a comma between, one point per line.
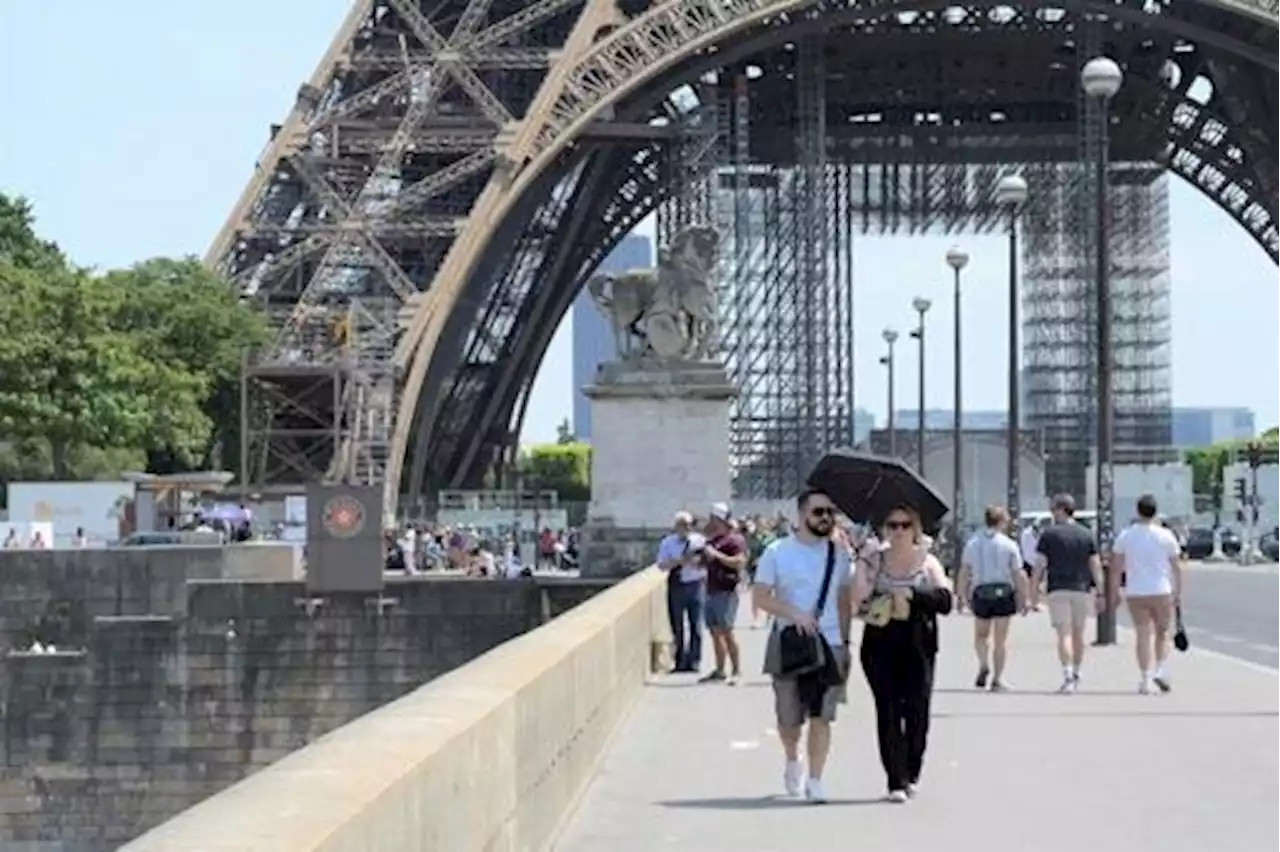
x=696, y=768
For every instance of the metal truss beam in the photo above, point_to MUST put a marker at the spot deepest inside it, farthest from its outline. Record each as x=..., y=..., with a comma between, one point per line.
x=359, y=201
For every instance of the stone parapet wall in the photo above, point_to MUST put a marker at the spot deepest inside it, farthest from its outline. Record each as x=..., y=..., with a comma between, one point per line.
x=168, y=686
x=492, y=756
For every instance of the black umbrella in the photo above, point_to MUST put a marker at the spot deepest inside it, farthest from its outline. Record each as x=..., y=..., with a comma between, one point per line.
x=867, y=487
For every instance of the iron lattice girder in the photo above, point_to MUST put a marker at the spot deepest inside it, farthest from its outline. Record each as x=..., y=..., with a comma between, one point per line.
x=1065, y=150
x=670, y=31
x=620, y=186
x=564, y=110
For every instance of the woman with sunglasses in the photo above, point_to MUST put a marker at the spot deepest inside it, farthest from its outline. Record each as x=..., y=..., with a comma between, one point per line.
x=901, y=589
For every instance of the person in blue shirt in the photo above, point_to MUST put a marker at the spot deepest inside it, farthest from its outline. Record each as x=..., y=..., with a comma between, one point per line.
x=680, y=555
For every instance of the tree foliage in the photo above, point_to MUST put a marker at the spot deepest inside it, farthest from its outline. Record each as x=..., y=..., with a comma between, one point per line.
x=102, y=372
x=1209, y=463
x=563, y=468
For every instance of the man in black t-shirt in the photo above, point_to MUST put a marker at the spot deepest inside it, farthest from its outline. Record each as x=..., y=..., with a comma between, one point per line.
x=1068, y=564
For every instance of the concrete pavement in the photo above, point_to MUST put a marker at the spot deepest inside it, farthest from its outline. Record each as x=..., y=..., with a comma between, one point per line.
x=696, y=768
x=1234, y=610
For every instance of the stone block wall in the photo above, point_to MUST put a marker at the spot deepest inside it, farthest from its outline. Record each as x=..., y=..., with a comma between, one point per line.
x=164, y=690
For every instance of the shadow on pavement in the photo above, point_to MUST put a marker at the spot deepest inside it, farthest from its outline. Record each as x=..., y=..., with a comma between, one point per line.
x=755, y=803
x=670, y=682
x=1014, y=692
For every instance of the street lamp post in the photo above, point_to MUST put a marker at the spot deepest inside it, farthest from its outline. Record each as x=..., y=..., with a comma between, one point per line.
x=921, y=306
x=1101, y=78
x=957, y=259
x=890, y=337
x=1011, y=194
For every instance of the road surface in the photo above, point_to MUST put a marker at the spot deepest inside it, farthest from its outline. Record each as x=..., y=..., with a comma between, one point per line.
x=1234, y=610
x=696, y=768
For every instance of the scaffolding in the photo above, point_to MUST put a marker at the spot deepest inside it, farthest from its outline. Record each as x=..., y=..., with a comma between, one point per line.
x=788, y=214
x=1059, y=300
x=785, y=288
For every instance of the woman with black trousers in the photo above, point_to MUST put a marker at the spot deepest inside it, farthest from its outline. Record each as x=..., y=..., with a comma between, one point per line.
x=901, y=588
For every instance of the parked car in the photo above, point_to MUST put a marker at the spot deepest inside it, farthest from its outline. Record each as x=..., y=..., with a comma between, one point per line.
x=1199, y=543
x=1270, y=545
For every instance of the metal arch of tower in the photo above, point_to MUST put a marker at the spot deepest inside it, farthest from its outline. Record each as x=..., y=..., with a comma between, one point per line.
x=318, y=230
x=864, y=210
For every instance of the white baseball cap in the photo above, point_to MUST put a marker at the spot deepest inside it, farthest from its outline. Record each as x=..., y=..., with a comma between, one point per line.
x=720, y=511
x=683, y=517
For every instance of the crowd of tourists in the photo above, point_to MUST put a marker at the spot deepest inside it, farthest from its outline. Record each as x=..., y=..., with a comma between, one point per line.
x=417, y=548
x=813, y=583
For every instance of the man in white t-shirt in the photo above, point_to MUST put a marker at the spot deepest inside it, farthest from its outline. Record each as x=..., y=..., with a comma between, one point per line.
x=1148, y=558
x=788, y=585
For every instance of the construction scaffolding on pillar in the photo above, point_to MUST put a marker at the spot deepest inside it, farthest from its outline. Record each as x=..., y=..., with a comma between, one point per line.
x=1060, y=299
x=785, y=305
x=318, y=402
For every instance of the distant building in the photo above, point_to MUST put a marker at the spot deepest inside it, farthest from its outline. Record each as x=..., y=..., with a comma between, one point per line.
x=863, y=422
x=1202, y=427
x=593, y=341
x=943, y=418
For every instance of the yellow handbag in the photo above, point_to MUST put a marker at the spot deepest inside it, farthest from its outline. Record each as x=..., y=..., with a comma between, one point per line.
x=879, y=610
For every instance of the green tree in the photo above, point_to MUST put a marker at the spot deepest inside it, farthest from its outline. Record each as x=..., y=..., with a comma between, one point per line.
x=1207, y=464
x=71, y=379
x=19, y=244
x=563, y=468
x=191, y=319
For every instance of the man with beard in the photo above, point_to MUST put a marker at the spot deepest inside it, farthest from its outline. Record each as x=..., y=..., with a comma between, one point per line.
x=793, y=586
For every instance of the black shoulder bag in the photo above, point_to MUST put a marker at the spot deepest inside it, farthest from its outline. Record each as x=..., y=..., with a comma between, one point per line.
x=800, y=653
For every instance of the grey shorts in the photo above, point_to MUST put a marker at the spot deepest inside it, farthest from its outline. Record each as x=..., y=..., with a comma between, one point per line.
x=721, y=610
x=790, y=710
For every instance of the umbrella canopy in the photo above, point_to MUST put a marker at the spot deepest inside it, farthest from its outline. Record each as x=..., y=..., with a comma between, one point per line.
x=867, y=487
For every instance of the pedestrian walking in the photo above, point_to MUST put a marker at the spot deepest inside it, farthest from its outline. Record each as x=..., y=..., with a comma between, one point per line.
x=992, y=583
x=1148, y=559
x=804, y=582
x=1071, y=572
x=901, y=590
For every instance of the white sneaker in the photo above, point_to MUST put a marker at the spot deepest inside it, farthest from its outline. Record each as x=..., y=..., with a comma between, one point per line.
x=898, y=797
x=793, y=778
x=1069, y=686
x=913, y=790
x=813, y=791
x=1144, y=686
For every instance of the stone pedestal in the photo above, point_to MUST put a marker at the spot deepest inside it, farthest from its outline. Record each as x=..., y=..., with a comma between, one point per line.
x=659, y=444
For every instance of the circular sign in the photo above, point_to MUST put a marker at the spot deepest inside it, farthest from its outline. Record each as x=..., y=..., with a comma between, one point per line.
x=343, y=517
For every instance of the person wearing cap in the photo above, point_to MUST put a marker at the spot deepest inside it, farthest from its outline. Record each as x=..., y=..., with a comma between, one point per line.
x=725, y=558
x=679, y=556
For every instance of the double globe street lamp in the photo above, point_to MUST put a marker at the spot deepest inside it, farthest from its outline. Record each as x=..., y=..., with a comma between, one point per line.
x=1101, y=78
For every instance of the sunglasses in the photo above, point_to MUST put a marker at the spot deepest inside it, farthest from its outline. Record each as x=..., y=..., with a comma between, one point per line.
x=897, y=525
x=822, y=512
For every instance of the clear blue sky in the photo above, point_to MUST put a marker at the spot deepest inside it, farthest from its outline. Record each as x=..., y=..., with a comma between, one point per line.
x=134, y=125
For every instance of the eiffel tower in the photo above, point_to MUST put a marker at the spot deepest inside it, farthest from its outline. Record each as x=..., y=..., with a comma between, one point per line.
x=359, y=198
x=454, y=169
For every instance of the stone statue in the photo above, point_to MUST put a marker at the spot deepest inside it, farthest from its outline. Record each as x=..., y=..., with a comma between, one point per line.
x=667, y=313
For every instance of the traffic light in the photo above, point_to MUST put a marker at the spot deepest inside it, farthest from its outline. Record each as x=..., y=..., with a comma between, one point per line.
x=1253, y=455
x=1242, y=494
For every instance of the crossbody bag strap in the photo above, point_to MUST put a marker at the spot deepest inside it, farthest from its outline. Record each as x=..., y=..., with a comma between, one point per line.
x=826, y=580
